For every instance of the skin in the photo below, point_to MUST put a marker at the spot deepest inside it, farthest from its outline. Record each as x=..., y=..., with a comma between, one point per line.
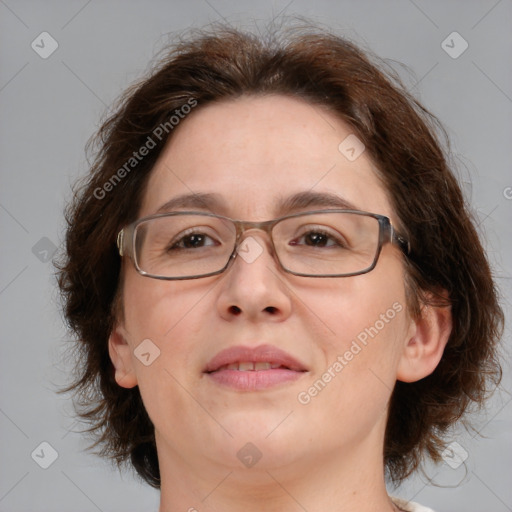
x=326, y=454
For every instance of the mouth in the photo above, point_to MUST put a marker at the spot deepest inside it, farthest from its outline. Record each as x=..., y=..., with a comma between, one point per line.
x=250, y=369
x=251, y=366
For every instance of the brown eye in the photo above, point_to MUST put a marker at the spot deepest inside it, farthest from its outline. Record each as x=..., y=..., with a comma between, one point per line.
x=318, y=238
x=191, y=241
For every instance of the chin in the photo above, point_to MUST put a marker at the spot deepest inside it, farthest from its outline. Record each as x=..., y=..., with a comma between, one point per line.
x=260, y=424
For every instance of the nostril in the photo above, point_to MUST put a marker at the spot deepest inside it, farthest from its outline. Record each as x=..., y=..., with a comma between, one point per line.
x=235, y=310
x=271, y=309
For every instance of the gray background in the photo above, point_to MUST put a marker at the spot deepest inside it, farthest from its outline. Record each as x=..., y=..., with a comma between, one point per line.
x=50, y=107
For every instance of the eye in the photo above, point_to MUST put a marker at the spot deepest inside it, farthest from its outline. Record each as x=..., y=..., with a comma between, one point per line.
x=191, y=240
x=319, y=238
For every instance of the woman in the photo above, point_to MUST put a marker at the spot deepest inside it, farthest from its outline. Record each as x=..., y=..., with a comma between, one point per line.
x=279, y=295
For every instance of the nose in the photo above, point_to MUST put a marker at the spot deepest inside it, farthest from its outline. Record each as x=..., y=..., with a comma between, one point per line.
x=254, y=286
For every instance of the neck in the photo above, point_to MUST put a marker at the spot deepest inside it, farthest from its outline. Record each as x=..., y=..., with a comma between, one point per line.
x=352, y=481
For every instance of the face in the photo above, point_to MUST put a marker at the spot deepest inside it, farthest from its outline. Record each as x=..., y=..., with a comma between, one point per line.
x=345, y=335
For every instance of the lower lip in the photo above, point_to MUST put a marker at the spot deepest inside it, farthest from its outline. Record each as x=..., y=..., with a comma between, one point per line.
x=254, y=380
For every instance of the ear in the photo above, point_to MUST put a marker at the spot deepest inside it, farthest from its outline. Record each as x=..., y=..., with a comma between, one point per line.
x=121, y=355
x=425, y=343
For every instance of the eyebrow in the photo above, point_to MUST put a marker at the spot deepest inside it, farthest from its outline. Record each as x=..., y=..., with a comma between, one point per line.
x=216, y=203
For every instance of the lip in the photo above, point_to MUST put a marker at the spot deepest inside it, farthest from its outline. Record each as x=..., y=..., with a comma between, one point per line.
x=290, y=368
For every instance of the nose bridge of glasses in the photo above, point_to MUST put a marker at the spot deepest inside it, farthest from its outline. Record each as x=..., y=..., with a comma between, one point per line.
x=242, y=226
x=245, y=229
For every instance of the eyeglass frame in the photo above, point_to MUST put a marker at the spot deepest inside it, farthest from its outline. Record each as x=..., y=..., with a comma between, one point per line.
x=387, y=234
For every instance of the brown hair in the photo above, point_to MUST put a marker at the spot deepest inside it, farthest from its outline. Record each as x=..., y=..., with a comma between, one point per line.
x=399, y=134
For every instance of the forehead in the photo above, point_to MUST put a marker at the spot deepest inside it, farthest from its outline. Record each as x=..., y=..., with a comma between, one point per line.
x=255, y=152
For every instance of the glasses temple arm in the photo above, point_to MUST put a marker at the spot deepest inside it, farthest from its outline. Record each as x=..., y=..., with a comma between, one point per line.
x=401, y=241
x=120, y=242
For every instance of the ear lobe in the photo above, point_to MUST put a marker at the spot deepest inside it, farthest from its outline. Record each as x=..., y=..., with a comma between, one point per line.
x=122, y=358
x=426, y=343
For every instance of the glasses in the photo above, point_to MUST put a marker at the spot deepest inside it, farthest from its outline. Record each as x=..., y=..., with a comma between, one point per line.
x=324, y=243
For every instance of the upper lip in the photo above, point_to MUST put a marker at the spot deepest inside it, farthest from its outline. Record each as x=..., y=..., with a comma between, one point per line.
x=261, y=353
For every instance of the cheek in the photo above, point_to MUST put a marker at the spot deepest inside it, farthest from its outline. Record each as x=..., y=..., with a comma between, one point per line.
x=350, y=394
x=368, y=323
x=364, y=308
x=157, y=308
x=168, y=314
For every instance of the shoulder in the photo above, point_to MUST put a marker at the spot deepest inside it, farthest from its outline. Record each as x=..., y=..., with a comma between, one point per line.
x=409, y=506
